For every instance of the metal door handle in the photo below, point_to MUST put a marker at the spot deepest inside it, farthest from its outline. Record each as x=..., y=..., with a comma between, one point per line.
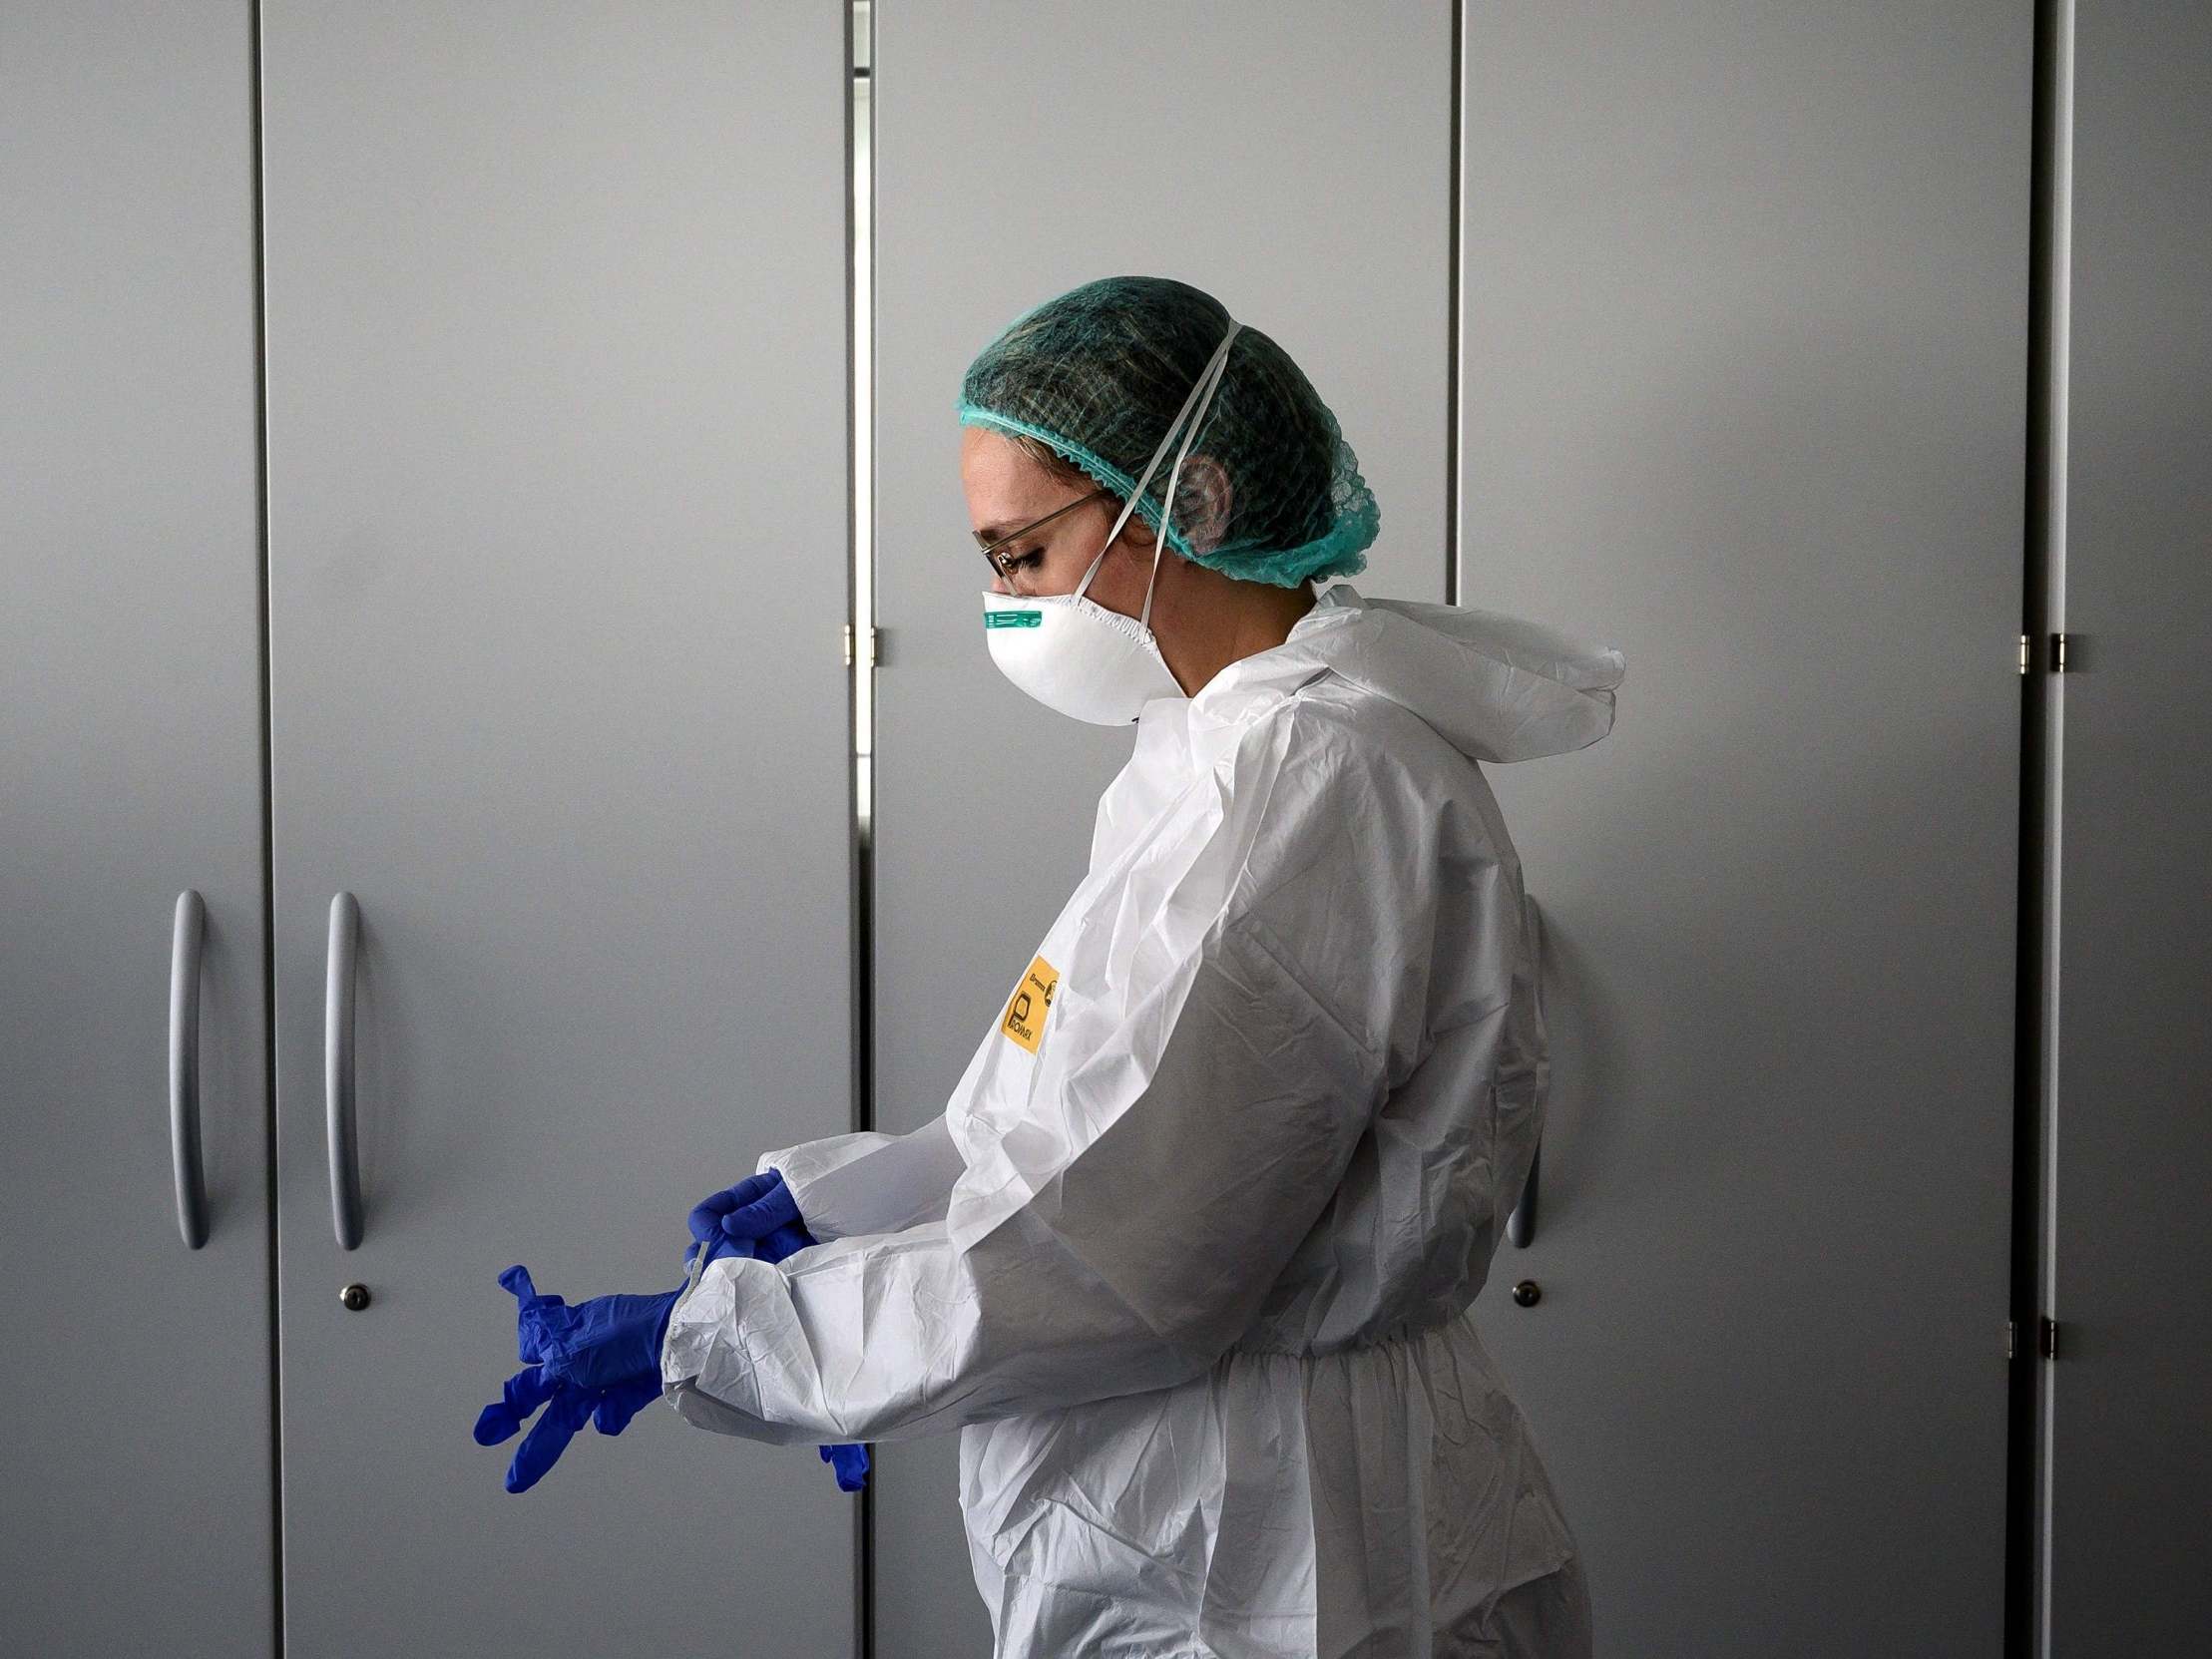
x=1521, y=1226
x=337, y=1071
x=184, y=1068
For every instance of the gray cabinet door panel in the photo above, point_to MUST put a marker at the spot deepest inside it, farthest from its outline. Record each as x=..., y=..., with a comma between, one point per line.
x=136, y=1498
x=1745, y=313
x=559, y=564
x=2131, y=1455
x=1295, y=163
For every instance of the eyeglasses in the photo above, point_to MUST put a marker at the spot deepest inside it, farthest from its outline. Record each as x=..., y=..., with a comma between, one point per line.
x=1005, y=566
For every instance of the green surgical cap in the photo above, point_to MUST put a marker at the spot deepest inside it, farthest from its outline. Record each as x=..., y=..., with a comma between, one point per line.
x=1099, y=374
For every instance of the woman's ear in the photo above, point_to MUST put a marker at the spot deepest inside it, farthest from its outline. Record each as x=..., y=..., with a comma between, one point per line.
x=1205, y=492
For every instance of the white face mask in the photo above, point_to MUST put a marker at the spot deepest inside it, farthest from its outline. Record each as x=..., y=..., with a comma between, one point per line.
x=1074, y=654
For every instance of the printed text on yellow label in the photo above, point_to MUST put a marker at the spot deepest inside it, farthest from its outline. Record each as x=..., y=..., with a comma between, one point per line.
x=1032, y=1000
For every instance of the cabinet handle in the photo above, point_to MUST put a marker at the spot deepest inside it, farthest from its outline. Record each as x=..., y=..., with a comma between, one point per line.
x=337, y=1071
x=1521, y=1226
x=184, y=1068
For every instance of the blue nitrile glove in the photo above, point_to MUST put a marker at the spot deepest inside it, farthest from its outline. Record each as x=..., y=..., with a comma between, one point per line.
x=759, y=1217
x=756, y=1217
x=850, y=1463
x=600, y=1359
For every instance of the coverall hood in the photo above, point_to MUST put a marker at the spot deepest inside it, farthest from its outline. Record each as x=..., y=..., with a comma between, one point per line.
x=1497, y=688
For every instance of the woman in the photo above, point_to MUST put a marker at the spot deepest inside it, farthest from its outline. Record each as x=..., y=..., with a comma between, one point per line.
x=1187, y=1257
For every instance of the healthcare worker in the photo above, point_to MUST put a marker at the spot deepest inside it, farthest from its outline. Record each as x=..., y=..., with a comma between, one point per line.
x=1188, y=1256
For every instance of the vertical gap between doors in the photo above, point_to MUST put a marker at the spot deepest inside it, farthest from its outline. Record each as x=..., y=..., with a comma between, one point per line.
x=274, y=1359
x=2036, y=1024
x=860, y=425
x=1452, y=366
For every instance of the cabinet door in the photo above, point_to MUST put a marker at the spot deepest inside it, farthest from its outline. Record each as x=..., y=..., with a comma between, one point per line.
x=135, y=1496
x=1294, y=163
x=2130, y=1455
x=559, y=564
x=1745, y=306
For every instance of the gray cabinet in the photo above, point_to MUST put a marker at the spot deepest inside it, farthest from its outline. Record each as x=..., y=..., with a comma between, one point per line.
x=1744, y=370
x=557, y=553
x=136, y=1504
x=2129, y=1451
x=1293, y=162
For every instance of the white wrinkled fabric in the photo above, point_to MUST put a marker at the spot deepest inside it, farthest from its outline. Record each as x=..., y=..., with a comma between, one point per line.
x=1194, y=1279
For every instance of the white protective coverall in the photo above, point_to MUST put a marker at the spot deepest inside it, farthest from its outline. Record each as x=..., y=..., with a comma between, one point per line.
x=1187, y=1259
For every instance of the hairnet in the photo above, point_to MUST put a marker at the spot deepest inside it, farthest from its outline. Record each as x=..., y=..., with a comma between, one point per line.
x=1099, y=374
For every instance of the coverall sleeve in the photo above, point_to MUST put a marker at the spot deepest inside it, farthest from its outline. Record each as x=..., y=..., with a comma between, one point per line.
x=869, y=1182
x=1118, y=1239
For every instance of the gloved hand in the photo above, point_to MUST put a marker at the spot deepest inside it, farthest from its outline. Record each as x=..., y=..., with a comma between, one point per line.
x=600, y=1359
x=756, y=1217
x=759, y=1217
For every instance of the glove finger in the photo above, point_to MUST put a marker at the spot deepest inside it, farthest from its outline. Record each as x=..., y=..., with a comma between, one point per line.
x=746, y=1199
x=763, y=1215
x=522, y=1394
x=706, y=1215
x=537, y=1316
x=851, y=1466
x=612, y=1414
x=622, y=1402
x=540, y=1449
x=495, y=1422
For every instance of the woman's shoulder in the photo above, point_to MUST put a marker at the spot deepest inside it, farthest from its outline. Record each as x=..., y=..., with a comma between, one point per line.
x=1339, y=773
x=1348, y=733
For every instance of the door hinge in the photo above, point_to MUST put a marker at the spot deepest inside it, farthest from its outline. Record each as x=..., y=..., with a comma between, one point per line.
x=2047, y=1341
x=2023, y=653
x=2057, y=653
x=2012, y=1339
x=873, y=645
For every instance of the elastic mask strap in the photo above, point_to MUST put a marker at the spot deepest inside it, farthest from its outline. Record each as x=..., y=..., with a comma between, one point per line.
x=1201, y=394
x=1214, y=370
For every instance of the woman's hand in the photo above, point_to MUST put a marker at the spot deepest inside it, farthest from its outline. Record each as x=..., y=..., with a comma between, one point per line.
x=756, y=1217
x=760, y=1217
